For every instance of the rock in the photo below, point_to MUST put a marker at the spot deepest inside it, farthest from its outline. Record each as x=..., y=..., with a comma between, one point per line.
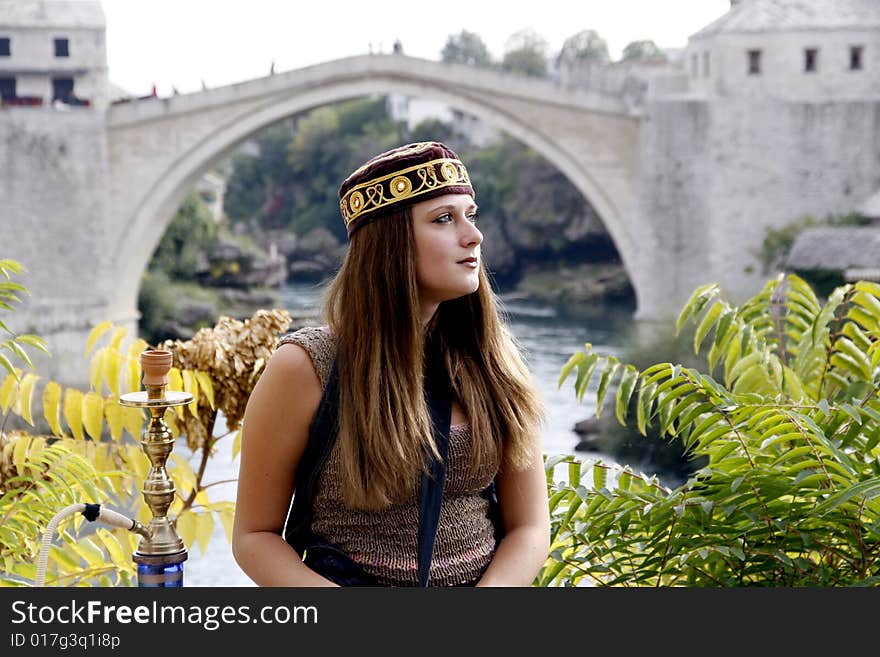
x=317, y=241
x=586, y=445
x=192, y=312
x=590, y=426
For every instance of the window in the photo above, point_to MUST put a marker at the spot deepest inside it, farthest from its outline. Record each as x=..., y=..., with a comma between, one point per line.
x=62, y=89
x=4, y=47
x=695, y=63
x=705, y=64
x=7, y=88
x=855, y=58
x=754, y=62
x=811, y=60
x=62, y=48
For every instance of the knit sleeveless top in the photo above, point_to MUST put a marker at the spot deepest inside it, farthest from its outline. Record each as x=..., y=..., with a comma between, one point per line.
x=385, y=542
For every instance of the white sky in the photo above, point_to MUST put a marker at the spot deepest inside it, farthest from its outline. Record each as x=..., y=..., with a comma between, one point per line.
x=180, y=43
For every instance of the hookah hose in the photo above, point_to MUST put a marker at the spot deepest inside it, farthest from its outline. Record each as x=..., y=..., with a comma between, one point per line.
x=91, y=512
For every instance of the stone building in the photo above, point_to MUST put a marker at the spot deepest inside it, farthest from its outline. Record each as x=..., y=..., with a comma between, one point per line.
x=789, y=50
x=780, y=120
x=53, y=52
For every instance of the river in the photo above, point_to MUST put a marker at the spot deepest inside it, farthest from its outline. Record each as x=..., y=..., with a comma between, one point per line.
x=548, y=339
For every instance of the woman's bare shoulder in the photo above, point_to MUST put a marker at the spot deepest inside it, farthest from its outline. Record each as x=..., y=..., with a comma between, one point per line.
x=320, y=345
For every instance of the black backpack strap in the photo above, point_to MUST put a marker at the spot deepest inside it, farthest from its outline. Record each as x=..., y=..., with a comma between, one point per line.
x=438, y=394
x=322, y=436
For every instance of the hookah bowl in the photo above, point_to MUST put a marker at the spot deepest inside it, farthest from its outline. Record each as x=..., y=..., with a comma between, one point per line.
x=159, y=556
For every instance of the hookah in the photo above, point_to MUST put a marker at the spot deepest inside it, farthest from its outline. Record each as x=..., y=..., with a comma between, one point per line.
x=161, y=552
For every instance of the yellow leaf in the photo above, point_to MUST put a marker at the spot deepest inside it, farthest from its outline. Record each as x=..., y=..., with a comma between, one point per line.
x=96, y=333
x=100, y=456
x=112, y=365
x=93, y=414
x=24, y=396
x=191, y=385
x=227, y=517
x=65, y=561
x=186, y=527
x=175, y=382
x=144, y=515
x=38, y=444
x=204, y=530
x=171, y=420
x=118, y=335
x=8, y=390
x=96, y=369
x=115, y=419
x=112, y=544
x=73, y=403
x=19, y=452
x=202, y=499
x=86, y=549
x=136, y=459
x=133, y=364
x=236, y=443
x=133, y=419
x=206, y=385
x=51, y=403
x=182, y=474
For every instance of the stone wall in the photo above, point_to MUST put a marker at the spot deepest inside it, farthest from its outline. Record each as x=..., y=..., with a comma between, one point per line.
x=716, y=175
x=54, y=221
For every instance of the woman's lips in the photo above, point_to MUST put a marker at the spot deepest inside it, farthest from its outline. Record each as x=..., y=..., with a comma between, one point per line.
x=469, y=262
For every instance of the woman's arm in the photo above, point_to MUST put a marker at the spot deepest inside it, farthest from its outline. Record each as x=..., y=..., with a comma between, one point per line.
x=276, y=430
x=525, y=513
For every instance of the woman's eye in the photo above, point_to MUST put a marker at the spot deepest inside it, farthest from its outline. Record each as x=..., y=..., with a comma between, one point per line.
x=473, y=217
x=443, y=218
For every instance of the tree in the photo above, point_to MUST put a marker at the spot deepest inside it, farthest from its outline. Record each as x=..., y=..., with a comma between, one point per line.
x=584, y=46
x=190, y=232
x=643, y=51
x=790, y=493
x=526, y=53
x=466, y=48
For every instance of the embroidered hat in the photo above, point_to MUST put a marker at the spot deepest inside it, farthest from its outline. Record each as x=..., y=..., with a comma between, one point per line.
x=402, y=176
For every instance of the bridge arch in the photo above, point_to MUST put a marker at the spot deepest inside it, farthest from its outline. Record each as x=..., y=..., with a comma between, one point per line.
x=149, y=216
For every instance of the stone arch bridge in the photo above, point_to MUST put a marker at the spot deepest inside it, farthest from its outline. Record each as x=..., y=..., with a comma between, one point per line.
x=111, y=180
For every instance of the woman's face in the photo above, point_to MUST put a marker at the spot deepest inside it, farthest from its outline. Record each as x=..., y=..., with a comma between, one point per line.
x=447, y=248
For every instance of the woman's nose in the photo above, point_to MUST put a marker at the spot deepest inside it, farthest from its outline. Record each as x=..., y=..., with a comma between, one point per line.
x=472, y=234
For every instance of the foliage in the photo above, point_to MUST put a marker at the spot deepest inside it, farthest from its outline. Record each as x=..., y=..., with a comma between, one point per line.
x=789, y=493
x=643, y=51
x=252, y=189
x=778, y=241
x=292, y=183
x=88, y=458
x=39, y=478
x=586, y=45
x=190, y=232
x=15, y=345
x=433, y=130
x=667, y=457
x=329, y=143
x=157, y=303
x=466, y=48
x=526, y=53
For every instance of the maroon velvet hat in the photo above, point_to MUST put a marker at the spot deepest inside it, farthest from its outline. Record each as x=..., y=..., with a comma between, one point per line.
x=402, y=176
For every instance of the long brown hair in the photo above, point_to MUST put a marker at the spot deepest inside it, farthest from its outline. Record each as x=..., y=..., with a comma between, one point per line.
x=385, y=431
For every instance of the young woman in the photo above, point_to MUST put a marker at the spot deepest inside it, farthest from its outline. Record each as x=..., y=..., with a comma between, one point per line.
x=416, y=396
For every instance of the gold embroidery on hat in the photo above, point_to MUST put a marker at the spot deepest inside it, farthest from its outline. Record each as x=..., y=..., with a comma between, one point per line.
x=356, y=201
x=402, y=185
